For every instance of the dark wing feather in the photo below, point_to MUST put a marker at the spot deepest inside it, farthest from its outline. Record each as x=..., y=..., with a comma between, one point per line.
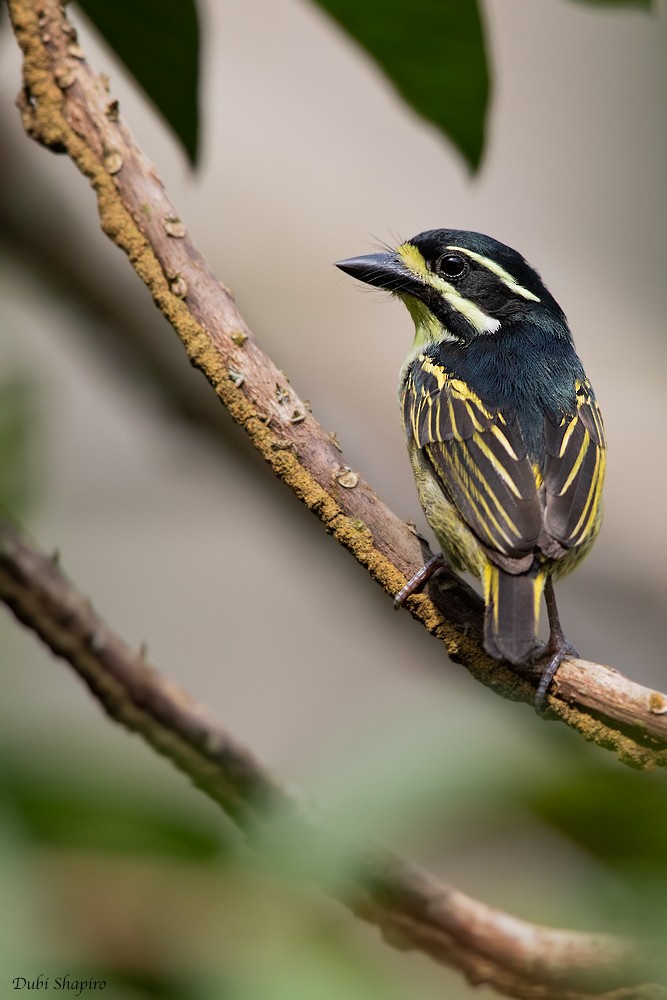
x=479, y=458
x=574, y=471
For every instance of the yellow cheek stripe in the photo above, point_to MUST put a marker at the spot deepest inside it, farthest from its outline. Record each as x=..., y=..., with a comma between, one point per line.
x=499, y=271
x=415, y=262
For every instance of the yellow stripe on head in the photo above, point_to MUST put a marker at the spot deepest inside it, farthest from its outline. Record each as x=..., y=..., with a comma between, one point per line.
x=499, y=271
x=414, y=260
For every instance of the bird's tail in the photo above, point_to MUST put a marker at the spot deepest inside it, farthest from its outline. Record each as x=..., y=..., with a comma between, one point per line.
x=512, y=613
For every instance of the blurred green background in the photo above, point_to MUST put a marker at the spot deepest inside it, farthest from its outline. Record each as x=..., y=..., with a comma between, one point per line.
x=115, y=452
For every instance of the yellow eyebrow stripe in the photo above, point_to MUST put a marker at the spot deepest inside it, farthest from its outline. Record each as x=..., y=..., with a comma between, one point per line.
x=414, y=260
x=499, y=271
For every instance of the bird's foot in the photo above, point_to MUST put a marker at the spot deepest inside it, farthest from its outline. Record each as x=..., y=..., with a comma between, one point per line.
x=553, y=653
x=428, y=570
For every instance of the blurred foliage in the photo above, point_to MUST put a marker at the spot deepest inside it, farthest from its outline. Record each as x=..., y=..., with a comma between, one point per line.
x=64, y=809
x=111, y=878
x=110, y=882
x=17, y=445
x=158, y=42
x=619, y=819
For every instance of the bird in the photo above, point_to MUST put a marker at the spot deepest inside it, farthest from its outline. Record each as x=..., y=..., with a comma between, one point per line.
x=504, y=433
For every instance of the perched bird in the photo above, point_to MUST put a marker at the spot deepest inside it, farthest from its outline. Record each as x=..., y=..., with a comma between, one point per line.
x=505, y=437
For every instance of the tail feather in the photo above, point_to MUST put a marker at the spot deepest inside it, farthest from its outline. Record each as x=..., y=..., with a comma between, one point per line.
x=512, y=613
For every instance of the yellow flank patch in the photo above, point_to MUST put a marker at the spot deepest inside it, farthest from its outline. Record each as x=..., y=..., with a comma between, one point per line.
x=500, y=272
x=414, y=260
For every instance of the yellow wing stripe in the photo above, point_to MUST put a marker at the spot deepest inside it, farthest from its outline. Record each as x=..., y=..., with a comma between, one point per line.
x=452, y=417
x=471, y=411
x=437, y=371
x=496, y=431
x=577, y=463
x=592, y=501
x=567, y=435
x=476, y=498
x=498, y=466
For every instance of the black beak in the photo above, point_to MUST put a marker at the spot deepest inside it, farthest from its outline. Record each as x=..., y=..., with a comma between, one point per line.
x=384, y=270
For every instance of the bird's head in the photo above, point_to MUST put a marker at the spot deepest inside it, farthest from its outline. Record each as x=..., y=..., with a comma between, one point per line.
x=459, y=285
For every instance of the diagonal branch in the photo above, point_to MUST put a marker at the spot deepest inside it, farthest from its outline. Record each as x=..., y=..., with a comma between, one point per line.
x=66, y=107
x=412, y=909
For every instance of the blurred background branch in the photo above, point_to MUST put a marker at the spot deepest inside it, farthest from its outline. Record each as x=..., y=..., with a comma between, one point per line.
x=412, y=910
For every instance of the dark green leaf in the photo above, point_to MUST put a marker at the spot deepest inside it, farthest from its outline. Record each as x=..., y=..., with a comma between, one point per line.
x=158, y=41
x=433, y=51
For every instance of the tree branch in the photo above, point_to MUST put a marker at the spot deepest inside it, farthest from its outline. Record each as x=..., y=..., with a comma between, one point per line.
x=412, y=909
x=66, y=107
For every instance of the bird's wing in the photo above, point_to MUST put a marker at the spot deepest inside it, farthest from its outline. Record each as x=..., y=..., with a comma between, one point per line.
x=574, y=470
x=478, y=456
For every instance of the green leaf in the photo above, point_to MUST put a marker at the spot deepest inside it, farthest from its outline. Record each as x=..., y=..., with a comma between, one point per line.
x=433, y=51
x=158, y=41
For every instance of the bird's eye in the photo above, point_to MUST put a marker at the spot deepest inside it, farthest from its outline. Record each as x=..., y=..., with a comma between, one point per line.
x=452, y=265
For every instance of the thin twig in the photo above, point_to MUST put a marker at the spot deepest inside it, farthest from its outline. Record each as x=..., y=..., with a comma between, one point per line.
x=66, y=107
x=411, y=908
